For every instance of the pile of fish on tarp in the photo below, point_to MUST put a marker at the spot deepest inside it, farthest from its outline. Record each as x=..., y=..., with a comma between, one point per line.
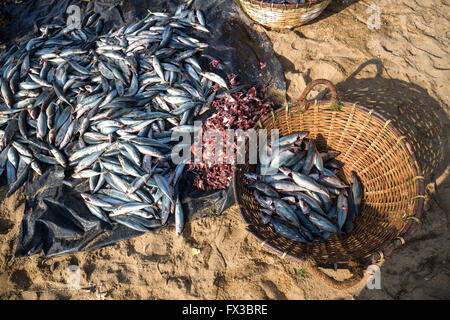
x=55, y=221
x=106, y=105
x=300, y=194
x=6, y=2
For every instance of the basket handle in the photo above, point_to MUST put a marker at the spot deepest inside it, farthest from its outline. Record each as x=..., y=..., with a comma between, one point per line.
x=376, y=62
x=302, y=99
x=357, y=272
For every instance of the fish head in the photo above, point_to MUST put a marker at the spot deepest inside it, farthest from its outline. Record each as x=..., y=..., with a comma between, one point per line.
x=353, y=177
x=286, y=171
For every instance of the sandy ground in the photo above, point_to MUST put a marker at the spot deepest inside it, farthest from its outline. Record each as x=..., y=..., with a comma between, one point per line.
x=401, y=70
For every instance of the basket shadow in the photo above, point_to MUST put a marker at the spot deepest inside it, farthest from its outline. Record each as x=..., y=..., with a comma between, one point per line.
x=334, y=7
x=417, y=269
x=412, y=110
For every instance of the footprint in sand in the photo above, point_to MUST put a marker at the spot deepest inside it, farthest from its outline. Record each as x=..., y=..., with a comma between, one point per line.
x=88, y=269
x=272, y=291
x=21, y=279
x=5, y=226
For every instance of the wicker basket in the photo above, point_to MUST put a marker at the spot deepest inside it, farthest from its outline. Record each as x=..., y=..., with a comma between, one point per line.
x=282, y=15
x=393, y=184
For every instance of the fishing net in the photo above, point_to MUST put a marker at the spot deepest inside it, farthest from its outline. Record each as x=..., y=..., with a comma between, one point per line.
x=56, y=219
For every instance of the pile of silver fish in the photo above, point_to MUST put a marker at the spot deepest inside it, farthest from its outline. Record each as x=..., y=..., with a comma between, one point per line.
x=104, y=107
x=304, y=200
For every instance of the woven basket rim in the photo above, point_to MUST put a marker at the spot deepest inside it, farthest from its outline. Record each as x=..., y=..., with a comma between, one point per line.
x=264, y=4
x=408, y=230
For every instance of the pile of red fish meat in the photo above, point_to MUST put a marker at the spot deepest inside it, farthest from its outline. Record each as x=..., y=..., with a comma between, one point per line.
x=239, y=110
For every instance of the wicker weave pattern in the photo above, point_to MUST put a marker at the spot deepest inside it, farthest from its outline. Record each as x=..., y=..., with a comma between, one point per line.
x=384, y=161
x=283, y=15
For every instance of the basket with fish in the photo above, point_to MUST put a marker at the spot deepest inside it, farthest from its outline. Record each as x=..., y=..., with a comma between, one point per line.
x=283, y=13
x=341, y=188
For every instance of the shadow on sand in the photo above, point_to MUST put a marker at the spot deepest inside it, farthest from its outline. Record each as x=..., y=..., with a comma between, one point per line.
x=334, y=7
x=417, y=270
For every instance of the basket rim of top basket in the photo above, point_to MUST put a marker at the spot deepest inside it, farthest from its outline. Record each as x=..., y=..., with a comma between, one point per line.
x=285, y=6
